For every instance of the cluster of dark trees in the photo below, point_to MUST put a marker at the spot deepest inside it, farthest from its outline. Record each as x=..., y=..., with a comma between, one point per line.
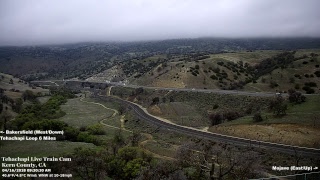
x=224, y=115
x=267, y=65
x=138, y=68
x=16, y=104
x=296, y=97
x=308, y=87
x=277, y=105
x=125, y=163
x=44, y=116
x=195, y=70
x=202, y=160
x=40, y=115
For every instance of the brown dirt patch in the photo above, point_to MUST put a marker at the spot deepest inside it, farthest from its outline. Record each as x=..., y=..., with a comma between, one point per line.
x=13, y=95
x=291, y=134
x=155, y=110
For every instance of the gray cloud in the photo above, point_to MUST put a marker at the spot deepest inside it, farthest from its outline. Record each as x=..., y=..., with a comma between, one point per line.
x=59, y=21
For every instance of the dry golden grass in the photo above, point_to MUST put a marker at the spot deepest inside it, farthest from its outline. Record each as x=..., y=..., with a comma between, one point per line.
x=292, y=134
x=13, y=95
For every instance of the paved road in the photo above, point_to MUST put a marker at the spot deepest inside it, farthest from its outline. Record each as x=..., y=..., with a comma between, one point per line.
x=52, y=82
x=217, y=91
x=142, y=114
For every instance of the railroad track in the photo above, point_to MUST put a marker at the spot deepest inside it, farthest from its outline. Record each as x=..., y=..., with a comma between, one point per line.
x=142, y=114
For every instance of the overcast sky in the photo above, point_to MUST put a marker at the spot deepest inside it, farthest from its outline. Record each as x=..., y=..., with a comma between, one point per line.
x=30, y=22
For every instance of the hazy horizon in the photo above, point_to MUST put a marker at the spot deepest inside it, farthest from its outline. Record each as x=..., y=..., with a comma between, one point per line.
x=78, y=21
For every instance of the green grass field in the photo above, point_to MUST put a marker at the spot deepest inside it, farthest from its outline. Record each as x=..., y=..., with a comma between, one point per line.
x=80, y=114
x=109, y=120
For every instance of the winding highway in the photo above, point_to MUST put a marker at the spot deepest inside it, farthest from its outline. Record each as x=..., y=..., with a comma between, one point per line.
x=144, y=115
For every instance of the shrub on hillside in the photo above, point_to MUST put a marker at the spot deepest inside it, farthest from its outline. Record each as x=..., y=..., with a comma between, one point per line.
x=71, y=133
x=193, y=73
x=215, y=118
x=296, y=97
x=220, y=63
x=291, y=80
x=96, y=129
x=216, y=106
x=278, y=106
x=273, y=84
x=219, y=117
x=308, y=89
x=28, y=95
x=139, y=91
x=155, y=100
x=213, y=77
x=311, y=84
x=86, y=137
x=216, y=70
x=17, y=105
x=231, y=115
x=257, y=117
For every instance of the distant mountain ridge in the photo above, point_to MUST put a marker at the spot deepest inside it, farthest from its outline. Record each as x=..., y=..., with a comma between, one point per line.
x=82, y=60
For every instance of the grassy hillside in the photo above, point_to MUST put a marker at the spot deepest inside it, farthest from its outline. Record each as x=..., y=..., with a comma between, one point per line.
x=296, y=75
x=16, y=87
x=245, y=70
x=198, y=71
x=13, y=96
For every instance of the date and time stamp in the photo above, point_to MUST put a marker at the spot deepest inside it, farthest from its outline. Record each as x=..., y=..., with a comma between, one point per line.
x=31, y=166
